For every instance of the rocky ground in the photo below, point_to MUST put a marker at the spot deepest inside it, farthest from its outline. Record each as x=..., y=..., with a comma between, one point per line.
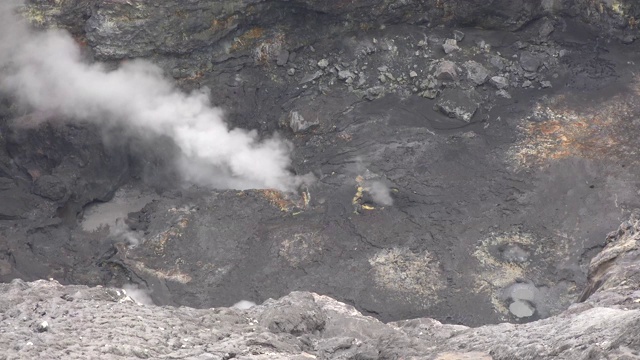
x=470, y=157
x=44, y=319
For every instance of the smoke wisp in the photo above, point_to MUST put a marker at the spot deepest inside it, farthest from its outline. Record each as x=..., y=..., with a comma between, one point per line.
x=380, y=193
x=243, y=305
x=46, y=71
x=138, y=295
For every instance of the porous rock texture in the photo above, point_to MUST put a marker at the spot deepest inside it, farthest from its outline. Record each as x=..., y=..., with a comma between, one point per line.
x=198, y=34
x=502, y=203
x=44, y=319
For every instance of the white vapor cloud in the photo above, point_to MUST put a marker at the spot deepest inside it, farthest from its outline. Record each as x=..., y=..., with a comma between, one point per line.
x=121, y=231
x=243, y=305
x=380, y=193
x=138, y=295
x=46, y=70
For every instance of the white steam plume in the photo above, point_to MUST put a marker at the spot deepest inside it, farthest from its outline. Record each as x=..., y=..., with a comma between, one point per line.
x=380, y=193
x=243, y=305
x=138, y=295
x=46, y=71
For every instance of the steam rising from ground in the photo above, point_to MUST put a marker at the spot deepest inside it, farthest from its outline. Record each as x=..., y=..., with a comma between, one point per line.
x=121, y=231
x=243, y=305
x=372, y=183
x=46, y=71
x=138, y=295
x=380, y=193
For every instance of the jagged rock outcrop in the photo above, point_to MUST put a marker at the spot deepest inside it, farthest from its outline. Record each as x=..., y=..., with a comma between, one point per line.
x=46, y=319
x=190, y=38
x=505, y=201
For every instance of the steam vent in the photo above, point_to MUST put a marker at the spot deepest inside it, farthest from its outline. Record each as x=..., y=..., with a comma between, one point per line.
x=315, y=179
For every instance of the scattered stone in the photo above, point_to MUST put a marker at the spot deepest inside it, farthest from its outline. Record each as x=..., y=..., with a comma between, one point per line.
x=520, y=45
x=291, y=71
x=605, y=321
x=530, y=62
x=383, y=69
x=545, y=84
x=299, y=124
x=311, y=77
x=382, y=78
x=430, y=93
x=446, y=71
x=628, y=39
x=546, y=29
x=323, y=63
x=458, y=35
x=458, y=104
x=526, y=84
x=374, y=92
x=477, y=73
x=283, y=58
x=413, y=74
x=43, y=326
x=498, y=61
x=428, y=83
x=362, y=79
x=503, y=93
x=450, y=45
x=389, y=76
x=346, y=74
x=500, y=82
x=483, y=45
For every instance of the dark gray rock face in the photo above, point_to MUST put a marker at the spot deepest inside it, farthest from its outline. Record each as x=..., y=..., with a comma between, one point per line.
x=400, y=185
x=203, y=33
x=530, y=62
x=459, y=104
x=68, y=164
x=69, y=322
x=483, y=210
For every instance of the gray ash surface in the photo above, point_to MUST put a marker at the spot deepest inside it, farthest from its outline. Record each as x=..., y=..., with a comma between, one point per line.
x=444, y=182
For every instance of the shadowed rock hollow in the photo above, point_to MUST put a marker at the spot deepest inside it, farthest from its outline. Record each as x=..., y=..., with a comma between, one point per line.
x=469, y=159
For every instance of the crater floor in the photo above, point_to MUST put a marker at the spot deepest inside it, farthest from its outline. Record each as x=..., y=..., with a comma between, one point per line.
x=472, y=187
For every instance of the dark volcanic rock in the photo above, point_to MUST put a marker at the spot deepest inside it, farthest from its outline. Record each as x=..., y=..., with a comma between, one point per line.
x=14, y=203
x=208, y=32
x=530, y=62
x=50, y=187
x=413, y=213
x=77, y=165
x=477, y=73
x=306, y=325
x=447, y=71
x=459, y=104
